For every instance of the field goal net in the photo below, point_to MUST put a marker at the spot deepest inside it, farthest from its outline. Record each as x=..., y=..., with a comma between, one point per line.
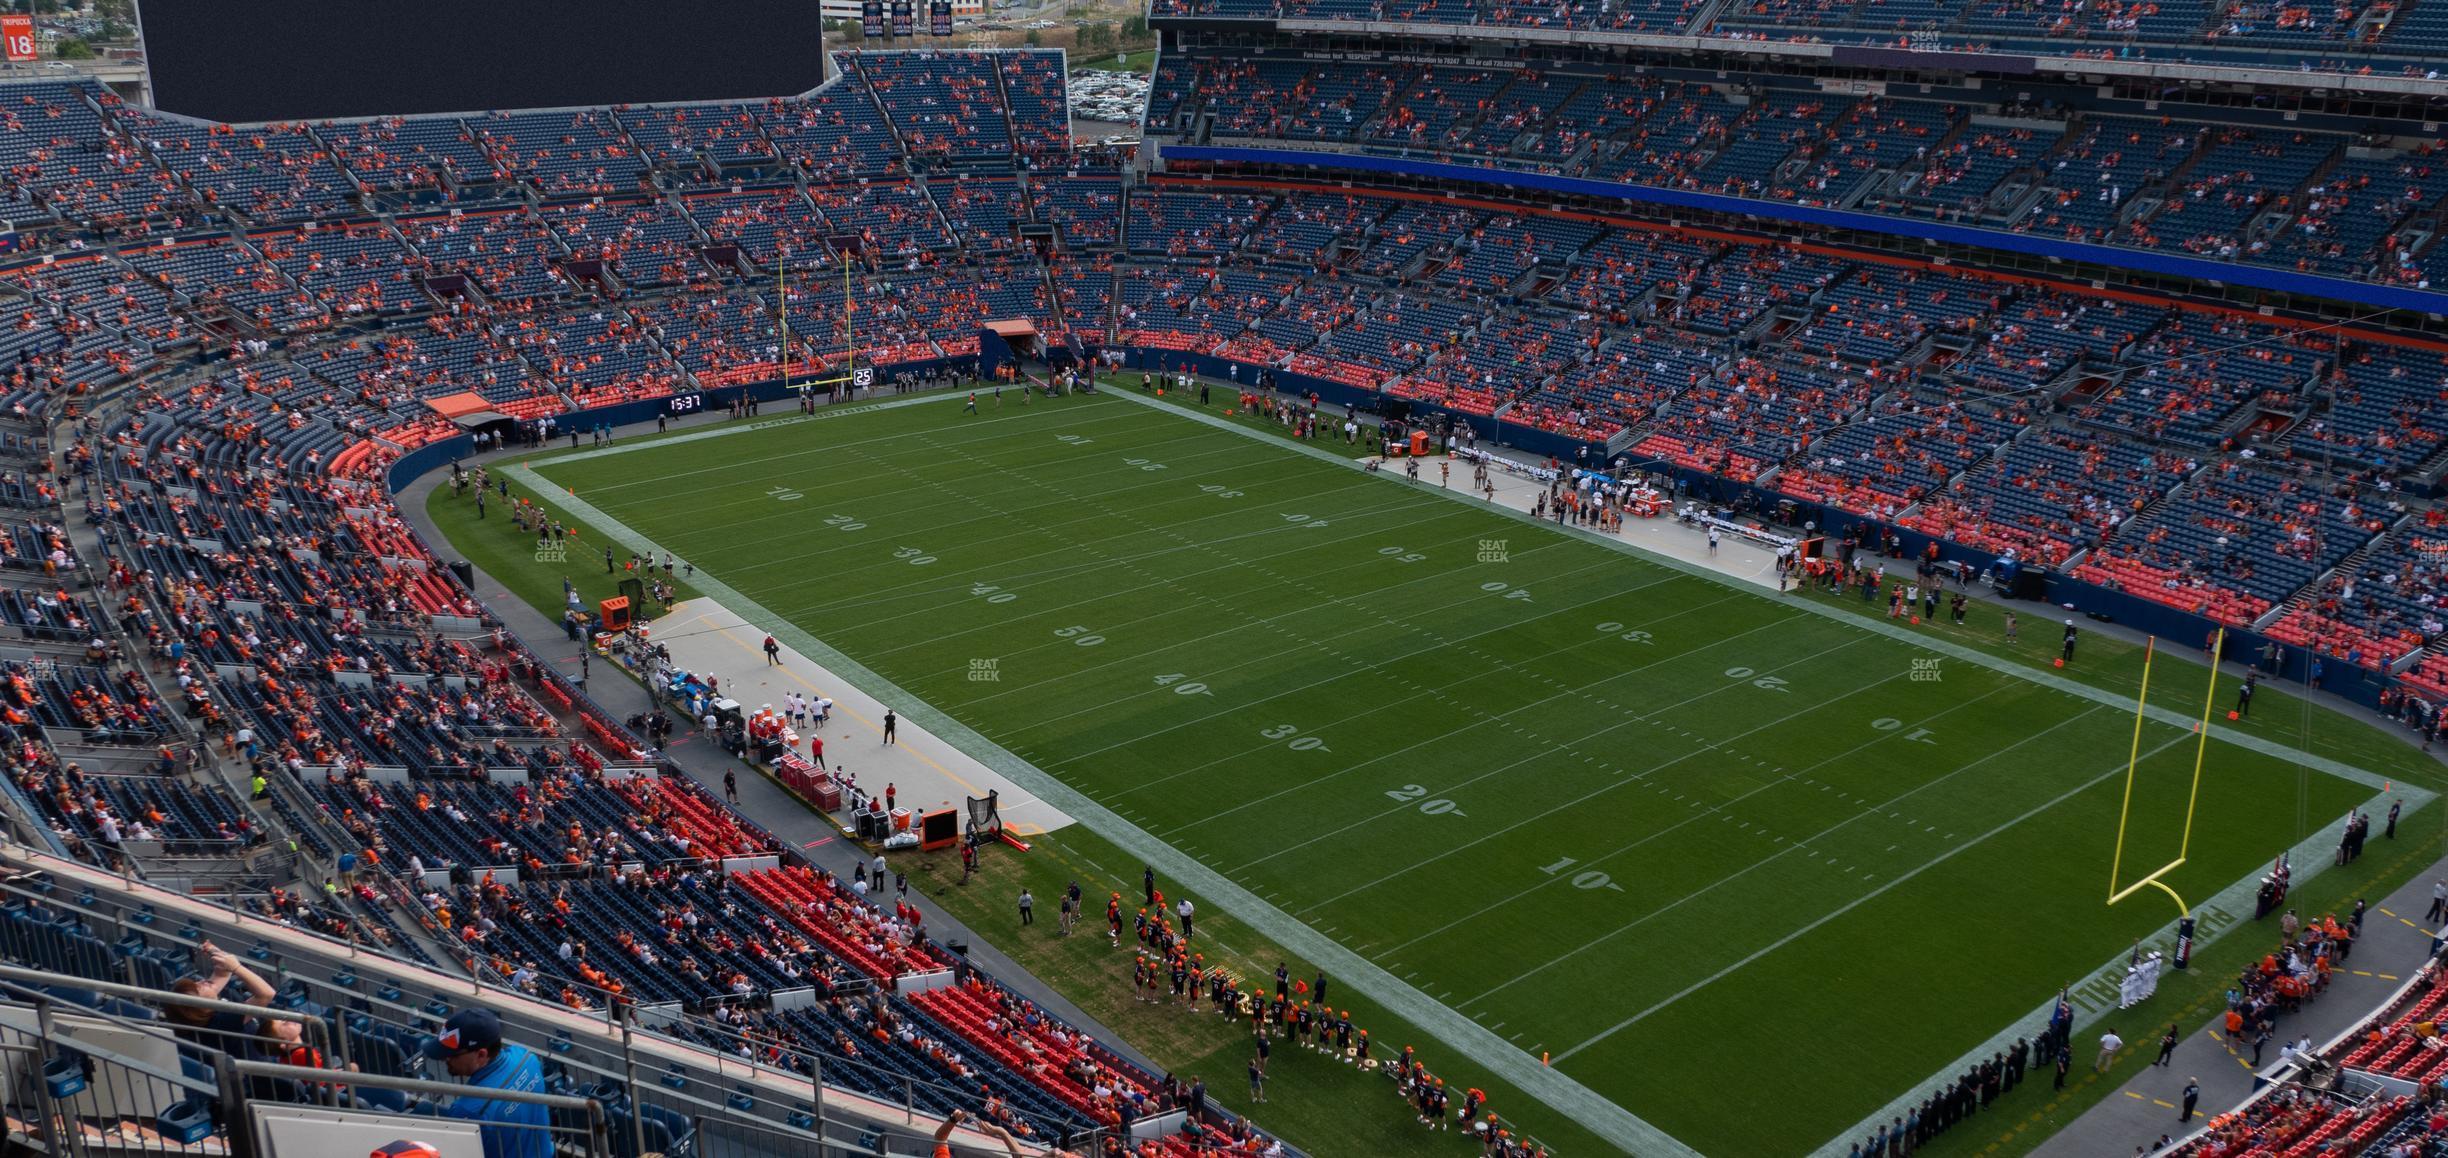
x=986, y=816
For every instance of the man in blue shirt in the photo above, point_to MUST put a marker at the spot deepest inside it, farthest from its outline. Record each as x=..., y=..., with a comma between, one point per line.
x=471, y=1047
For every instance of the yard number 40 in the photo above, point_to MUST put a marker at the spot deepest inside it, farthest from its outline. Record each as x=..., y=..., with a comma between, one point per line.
x=1176, y=681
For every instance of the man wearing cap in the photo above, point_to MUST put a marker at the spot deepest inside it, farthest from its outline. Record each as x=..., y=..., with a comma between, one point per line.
x=471, y=1047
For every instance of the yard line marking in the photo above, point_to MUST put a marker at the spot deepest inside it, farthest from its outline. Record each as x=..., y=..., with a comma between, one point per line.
x=716, y=522
x=1496, y=769
x=1083, y=419
x=1142, y=656
x=1482, y=716
x=1548, y=750
x=1318, y=642
x=1611, y=1122
x=895, y=593
x=1245, y=753
x=1173, y=530
x=1411, y=502
x=854, y=494
x=1720, y=809
x=1919, y=639
x=1873, y=894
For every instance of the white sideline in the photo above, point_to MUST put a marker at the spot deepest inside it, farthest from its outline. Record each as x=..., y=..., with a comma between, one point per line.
x=1447, y=1025
x=1550, y=1086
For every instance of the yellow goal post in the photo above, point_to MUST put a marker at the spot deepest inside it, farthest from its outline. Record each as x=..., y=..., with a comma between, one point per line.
x=2156, y=878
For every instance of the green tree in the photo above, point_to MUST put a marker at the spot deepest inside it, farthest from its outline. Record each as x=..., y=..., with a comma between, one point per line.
x=75, y=49
x=1135, y=29
x=1033, y=40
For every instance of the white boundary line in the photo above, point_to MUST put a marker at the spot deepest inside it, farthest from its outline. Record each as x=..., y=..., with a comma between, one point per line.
x=1942, y=646
x=1447, y=1025
x=1550, y=1086
x=2309, y=852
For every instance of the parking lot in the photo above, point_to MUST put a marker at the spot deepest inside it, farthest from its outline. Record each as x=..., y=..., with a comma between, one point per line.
x=1110, y=97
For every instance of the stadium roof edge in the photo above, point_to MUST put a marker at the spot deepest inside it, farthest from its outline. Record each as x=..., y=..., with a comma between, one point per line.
x=1960, y=60
x=476, y=114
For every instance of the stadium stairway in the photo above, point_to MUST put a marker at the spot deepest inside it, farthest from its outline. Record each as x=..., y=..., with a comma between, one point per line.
x=2391, y=949
x=782, y=814
x=2350, y=565
x=315, y=835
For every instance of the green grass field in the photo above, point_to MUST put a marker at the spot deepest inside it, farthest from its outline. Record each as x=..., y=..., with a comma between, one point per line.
x=1143, y=60
x=1682, y=836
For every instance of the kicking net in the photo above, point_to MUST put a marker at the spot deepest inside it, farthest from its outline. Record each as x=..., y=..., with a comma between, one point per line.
x=985, y=815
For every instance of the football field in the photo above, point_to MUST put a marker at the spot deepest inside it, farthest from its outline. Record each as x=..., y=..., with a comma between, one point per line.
x=1676, y=834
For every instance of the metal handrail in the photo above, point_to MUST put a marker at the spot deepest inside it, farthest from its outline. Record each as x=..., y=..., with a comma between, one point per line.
x=36, y=977
x=424, y=1086
x=617, y=1066
x=599, y=1141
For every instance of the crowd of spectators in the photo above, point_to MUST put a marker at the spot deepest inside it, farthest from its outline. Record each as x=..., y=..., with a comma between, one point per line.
x=2228, y=192
x=2257, y=34
x=551, y=261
